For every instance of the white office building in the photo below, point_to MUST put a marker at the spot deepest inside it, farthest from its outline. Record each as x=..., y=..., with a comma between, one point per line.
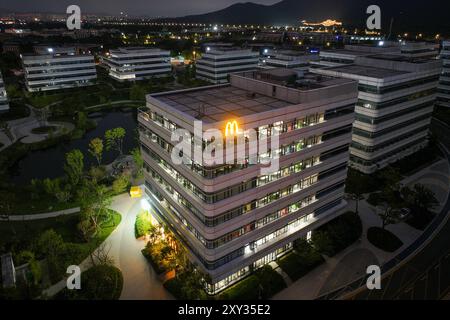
x=396, y=99
x=217, y=63
x=289, y=59
x=131, y=63
x=443, y=98
x=4, y=106
x=58, y=68
x=234, y=218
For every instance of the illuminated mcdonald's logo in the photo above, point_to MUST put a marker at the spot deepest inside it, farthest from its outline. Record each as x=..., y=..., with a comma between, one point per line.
x=231, y=128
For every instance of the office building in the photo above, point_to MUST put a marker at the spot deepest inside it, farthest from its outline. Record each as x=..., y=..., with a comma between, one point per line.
x=54, y=68
x=289, y=59
x=127, y=64
x=217, y=63
x=396, y=98
x=4, y=106
x=234, y=218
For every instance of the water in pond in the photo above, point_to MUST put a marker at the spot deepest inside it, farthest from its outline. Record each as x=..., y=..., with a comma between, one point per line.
x=49, y=163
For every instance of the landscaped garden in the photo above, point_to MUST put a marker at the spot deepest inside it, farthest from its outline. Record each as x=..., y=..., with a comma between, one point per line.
x=100, y=282
x=383, y=239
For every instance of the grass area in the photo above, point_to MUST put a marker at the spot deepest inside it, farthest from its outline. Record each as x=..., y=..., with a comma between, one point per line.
x=338, y=234
x=262, y=284
x=20, y=235
x=44, y=130
x=102, y=282
x=299, y=263
x=383, y=239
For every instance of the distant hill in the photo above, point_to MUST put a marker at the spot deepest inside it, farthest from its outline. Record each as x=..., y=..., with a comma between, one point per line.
x=408, y=15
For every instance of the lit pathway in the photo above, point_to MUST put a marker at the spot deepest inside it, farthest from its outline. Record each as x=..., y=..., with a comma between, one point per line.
x=140, y=281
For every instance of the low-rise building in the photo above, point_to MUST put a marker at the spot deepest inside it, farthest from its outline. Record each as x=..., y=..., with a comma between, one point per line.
x=217, y=63
x=4, y=106
x=54, y=68
x=443, y=98
x=396, y=99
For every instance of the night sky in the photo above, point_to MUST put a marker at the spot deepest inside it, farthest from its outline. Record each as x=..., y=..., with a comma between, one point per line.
x=152, y=8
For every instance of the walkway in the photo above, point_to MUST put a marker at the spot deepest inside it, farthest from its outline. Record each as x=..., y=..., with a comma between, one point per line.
x=349, y=265
x=140, y=281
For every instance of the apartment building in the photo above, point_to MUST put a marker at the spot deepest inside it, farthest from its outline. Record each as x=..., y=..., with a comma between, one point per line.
x=234, y=218
x=289, y=59
x=217, y=63
x=443, y=98
x=4, y=106
x=135, y=63
x=54, y=68
x=395, y=103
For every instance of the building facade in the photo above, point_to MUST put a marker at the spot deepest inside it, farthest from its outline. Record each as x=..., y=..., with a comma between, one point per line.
x=396, y=99
x=4, y=106
x=234, y=218
x=127, y=64
x=288, y=59
x=58, y=68
x=217, y=63
x=443, y=98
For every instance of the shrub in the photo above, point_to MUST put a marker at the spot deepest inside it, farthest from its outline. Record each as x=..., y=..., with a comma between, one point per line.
x=383, y=239
x=143, y=224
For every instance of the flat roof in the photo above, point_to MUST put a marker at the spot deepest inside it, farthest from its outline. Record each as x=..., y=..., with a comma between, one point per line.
x=367, y=71
x=221, y=103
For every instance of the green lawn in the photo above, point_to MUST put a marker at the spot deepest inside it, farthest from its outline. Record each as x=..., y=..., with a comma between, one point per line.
x=296, y=266
x=383, y=239
x=263, y=283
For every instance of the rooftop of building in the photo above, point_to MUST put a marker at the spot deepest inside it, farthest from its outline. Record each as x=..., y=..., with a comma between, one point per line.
x=244, y=96
x=367, y=71
x=131, y=50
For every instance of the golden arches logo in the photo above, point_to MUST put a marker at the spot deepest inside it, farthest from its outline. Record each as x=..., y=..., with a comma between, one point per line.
x=231, y=128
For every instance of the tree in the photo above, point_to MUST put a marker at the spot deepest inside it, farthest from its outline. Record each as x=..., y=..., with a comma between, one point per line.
x=114, y=139
x=74, y=166
x=94, y=202
x=322, y=242
x=138, y=161
x=96, y=149
x=423, y=198
x=388, y=214
x=357, y=195
x=4, y=126
x=100, y=256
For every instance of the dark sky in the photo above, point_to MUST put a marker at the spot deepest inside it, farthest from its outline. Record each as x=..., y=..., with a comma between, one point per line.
x=133, y=7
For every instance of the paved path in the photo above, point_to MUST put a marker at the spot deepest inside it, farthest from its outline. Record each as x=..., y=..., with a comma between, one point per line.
x=140, y=281
x=39, y=216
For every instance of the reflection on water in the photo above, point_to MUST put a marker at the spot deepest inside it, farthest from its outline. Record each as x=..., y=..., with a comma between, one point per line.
x=49, y=163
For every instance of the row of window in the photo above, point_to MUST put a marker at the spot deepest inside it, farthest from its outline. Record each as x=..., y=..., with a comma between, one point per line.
x=211, y=265
x=385, y=156
x=243, y=209
x=397, y=87
x=394, y=102
x=390, y=142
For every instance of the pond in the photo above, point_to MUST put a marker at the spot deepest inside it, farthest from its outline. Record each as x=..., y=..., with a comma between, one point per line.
x=49, y=163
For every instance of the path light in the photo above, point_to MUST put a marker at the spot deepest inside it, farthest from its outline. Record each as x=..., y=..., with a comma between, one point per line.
x=145, y=205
